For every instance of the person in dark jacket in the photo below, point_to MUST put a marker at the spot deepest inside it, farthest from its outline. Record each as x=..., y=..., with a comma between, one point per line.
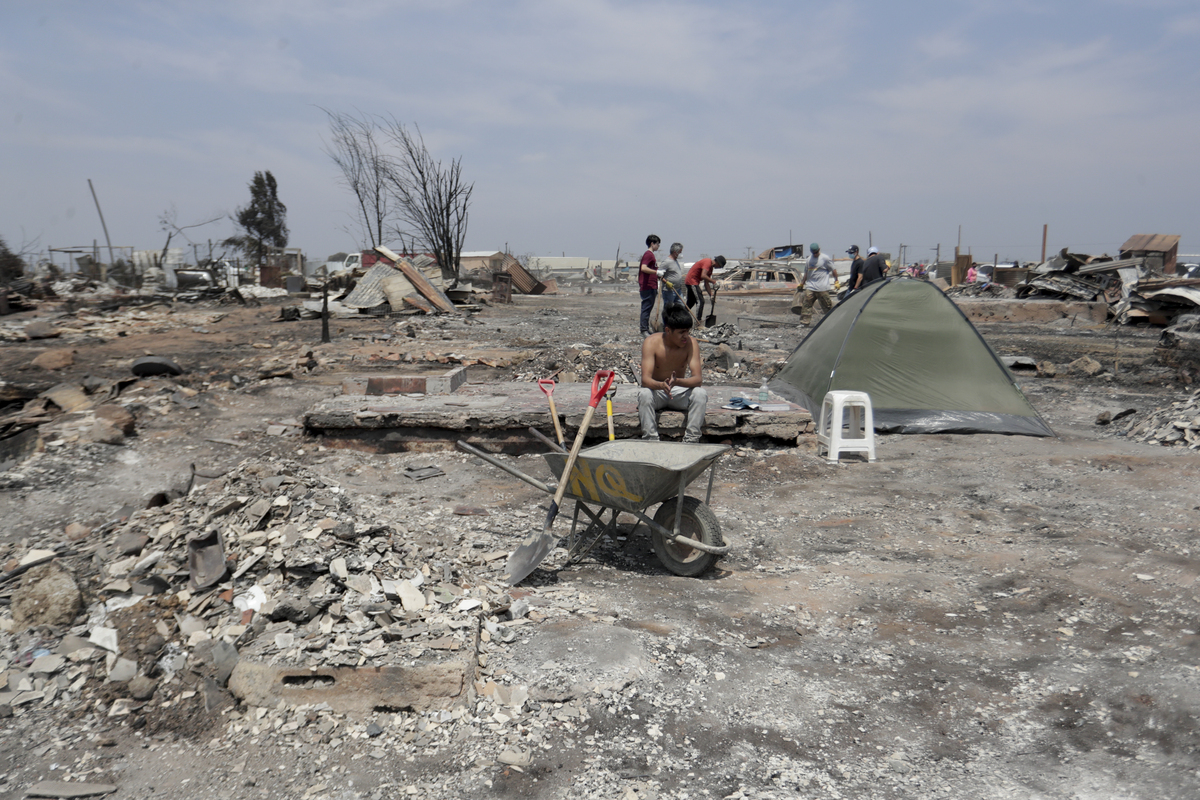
x=874, y=268
x=855, y=268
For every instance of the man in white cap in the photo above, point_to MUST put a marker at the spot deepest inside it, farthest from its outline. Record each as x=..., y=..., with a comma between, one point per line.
x=816, y=285
x=873, y=269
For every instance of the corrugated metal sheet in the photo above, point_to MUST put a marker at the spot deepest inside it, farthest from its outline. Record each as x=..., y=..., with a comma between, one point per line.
x=1009, y=276
x=1150, y=242
x=368, y=292
x=525, y=283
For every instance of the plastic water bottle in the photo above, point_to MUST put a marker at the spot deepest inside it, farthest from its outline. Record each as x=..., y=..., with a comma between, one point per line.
x=764, y=394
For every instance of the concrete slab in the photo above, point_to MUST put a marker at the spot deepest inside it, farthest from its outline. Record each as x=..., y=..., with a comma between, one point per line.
x=496, y=415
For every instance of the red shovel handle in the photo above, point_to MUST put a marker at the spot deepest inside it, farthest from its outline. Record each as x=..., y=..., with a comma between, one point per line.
x=598, y=391
x=543, y=383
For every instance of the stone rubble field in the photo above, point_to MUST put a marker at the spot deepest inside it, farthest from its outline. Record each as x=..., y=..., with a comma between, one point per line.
x=978, y=616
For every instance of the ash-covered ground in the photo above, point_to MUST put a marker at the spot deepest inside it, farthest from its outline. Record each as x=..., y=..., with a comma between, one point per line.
x=980, y=616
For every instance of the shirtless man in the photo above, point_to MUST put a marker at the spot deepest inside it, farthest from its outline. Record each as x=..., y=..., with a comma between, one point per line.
x=667, y=360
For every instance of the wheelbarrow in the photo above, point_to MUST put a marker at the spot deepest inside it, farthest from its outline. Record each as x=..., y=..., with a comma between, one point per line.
x=631, y=476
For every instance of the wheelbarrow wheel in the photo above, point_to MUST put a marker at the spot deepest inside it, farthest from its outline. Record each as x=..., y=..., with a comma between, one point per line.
x=697, y=522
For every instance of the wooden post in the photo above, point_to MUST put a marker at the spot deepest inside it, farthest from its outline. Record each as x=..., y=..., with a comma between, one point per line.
x=958, y=273
x=1045, y=229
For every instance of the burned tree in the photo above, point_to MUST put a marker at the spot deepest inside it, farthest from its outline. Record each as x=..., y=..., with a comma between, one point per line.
x=264, y=220
x=431, y=198
x=366, y=170
x=12, y=266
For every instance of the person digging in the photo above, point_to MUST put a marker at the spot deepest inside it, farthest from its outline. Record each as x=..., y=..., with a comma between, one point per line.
x=667, y=360
x=815, y=286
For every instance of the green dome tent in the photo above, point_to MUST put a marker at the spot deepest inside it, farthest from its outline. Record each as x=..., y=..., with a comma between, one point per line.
x=925, y=367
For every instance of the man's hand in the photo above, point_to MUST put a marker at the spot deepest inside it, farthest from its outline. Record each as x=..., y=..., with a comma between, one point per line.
x=661, y=272
x=669, y=383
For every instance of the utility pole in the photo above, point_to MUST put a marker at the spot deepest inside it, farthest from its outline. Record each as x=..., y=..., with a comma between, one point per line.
x=870, y=243
x=1045, y=230
x=939, y=253
x=104, y=270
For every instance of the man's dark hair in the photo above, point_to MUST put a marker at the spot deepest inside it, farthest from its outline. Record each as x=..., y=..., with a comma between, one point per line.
x=677, y=317
x=652, y=239
x=719, y=261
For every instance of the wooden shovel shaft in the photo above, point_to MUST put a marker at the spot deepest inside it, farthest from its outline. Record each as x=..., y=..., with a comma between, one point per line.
x=566, y=474
x=554, y=416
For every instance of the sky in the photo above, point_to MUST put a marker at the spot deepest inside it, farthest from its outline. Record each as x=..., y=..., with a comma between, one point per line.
x=586, y=125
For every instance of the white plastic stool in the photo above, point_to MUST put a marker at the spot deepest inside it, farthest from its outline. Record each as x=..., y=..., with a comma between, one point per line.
x=835, y=436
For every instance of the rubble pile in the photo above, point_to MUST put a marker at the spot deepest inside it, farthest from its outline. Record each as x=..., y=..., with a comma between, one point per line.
x=1134, y=294
x=1176, y=424
x=985, y=290
x=267, y=565
x=85, y=323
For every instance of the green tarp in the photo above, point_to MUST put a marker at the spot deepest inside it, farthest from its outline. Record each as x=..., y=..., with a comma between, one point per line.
x=925, y=367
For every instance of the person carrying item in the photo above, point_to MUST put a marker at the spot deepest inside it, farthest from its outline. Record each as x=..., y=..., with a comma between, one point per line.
x=667, y=360
x=816, y=285
x=671, y=273
x=648, y=282
x=873, y=268
x=701, y=272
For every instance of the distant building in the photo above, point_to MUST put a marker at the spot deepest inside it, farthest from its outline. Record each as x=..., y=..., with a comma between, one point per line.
x=572, y=267
x=483, y=261
x=1160, y=248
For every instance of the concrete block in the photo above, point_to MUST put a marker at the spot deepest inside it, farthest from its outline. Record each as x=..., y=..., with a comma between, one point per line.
x=433, y=383
x=351, y=690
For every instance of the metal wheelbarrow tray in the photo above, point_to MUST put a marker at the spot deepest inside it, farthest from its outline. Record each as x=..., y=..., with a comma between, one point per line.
x=630, y=476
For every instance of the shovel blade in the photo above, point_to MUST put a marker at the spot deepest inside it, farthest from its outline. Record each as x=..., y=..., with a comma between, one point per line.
x=710, y=320
x=532, y=551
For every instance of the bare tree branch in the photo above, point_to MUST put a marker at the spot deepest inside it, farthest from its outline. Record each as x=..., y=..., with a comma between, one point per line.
x=431, y=199
x=365, y=169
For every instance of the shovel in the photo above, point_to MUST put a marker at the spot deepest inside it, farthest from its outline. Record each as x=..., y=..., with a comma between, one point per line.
x=542, y=384
x=538, y=545
x=711, y=319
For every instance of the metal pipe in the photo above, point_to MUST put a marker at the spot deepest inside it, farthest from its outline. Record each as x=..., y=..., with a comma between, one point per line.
x=553, y=445
x=670, y=537
x=495, y=462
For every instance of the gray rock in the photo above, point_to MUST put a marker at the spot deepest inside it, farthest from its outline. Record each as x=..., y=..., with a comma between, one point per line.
x=724, y=357
x=294, y=609
x=101, y=432
x=224, y=658
x=124, y=670
x=142, y=688
x=47, y=595
x=41, y=329
x=1086, y=365
x=117, y=416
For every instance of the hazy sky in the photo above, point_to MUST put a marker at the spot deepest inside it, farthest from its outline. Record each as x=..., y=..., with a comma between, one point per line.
x=587, y=124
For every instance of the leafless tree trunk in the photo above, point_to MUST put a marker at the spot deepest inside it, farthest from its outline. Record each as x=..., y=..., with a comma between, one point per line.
x=366, y=169
x=431, y=199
